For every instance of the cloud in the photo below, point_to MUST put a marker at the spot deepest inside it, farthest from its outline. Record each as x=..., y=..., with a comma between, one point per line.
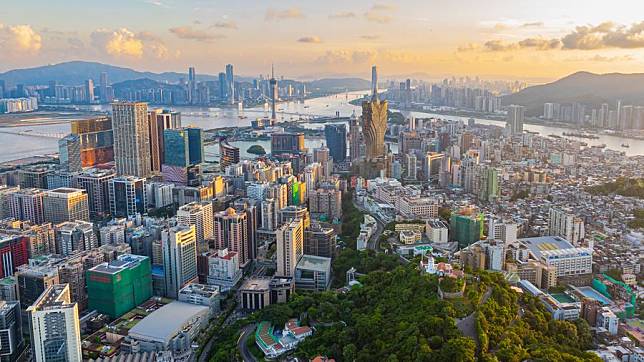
x=370, y=37
x=469, y=47
x=310, y=39
x=366, y=56
x=290, y=13
x=158, y=3
x=605, y=35
x=120, y=42
x=188, y=33
x=535, y=24
x=228, y=24
x=125, y=43
x=380, y=13
x=20, y=39
x=540, y=43
x=601, y=58
x=343, y=15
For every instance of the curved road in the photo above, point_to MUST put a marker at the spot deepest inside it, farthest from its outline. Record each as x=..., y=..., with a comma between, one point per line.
x=373, y=242
x=241, y=343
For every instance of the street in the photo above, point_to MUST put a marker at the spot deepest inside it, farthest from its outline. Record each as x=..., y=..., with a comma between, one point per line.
x=241, y=343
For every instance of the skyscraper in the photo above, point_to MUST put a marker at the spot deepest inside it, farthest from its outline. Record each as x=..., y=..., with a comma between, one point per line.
x=200, y=215
x=231, y=232
x=12, y=342
x=55, y=327
x=356, y=141
x=27, y=204
x=89, y=90
x=96, y=140
x=273, y=83
x=514, y=120
x=69, y=151
x=230, y=83
x=223, y=86
x=131, y=139
x=192, y=86
x=336, y=140
x=74, y=236
x=127, y=196
x=290, y=247
x=195, y=145
x=65, y=204
x=179, y=258
x=374, y=121
x=95, y=183
x=228, y=154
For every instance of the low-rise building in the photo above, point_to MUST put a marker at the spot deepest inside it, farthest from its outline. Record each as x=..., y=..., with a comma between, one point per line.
x=313, y=273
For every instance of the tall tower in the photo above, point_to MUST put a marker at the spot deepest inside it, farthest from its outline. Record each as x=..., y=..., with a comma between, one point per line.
x=230, y=80
x=131, y=139
x=514, y=119
x=55, y=327
x=374, y=81
x=179, y=257
x=374, y=121
x=273, y=83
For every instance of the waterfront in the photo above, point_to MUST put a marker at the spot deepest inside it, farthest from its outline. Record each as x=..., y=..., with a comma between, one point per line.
x=18, y=146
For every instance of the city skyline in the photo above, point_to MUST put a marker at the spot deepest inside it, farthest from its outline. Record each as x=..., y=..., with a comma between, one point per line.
x=501, y=39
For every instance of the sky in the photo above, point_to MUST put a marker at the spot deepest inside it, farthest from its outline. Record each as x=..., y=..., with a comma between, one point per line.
x=495, y=39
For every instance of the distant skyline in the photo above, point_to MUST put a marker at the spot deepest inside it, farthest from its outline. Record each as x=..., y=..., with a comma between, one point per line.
x=500, y=39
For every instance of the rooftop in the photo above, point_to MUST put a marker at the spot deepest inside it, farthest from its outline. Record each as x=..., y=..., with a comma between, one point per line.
x=316, y=263
x=166, y=322
x=256, y=284
x=116, y=266
x=548, y=245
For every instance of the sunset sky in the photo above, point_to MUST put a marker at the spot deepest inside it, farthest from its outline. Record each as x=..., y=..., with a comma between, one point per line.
x=514, y=39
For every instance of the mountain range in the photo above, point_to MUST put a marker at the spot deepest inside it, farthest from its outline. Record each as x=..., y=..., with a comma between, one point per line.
x=582, y=87
x=77, y=72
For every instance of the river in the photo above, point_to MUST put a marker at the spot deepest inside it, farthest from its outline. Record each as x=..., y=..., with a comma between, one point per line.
x=18, y=146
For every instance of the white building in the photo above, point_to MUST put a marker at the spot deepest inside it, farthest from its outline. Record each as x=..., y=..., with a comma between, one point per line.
x=555, y=251
x=503, y=230
x=437, y=231
x=201, y=294
x=290, y=247
x=55, y=327
x=417, y=207
x=223, y=269
x=564, y=223
x=199, y=214
x=608, y=320
x=179, y=257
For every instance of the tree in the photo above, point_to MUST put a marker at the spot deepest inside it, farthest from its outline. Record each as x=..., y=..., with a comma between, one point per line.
x=256, y=150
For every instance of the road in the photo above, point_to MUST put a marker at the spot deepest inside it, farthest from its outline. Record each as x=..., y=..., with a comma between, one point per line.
x=375, y=238
x=241, y=343
x=467, y=325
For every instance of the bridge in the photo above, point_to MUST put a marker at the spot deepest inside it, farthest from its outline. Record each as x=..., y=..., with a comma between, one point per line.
x=29, y=133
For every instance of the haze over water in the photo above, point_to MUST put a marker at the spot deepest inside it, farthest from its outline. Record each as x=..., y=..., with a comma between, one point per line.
x=18, y=146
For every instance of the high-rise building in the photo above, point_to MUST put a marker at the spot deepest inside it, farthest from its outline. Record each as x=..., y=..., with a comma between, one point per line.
x=159, y=121
x=27, y=205
x=179, y=258
x=228, y=155
x=69, y=151
x=89, y=90
x=223, y=86
x=356, y=139
x=223, y=269
x=231, y=232
x=374, y=122
x=95, y=182
x=514, y=119
x=199, y=214
x=119, y=286
x=55, y=326
x=176, y=148
x=274, y=95
x=183, y=152
x=127, y=196
x=65, y=204
x=96, y=140
x=195, y=146
x=290, y=247
x=74, y=236
x=14, y=252
x=12, y=342
x=287, y=143
x=336, y=140
x=320, y=241
x=465, y=229
x=230, y=83
x=192, y=86
x=131, y=139
x=566, y=224
x=326, y=203
x=33, y=281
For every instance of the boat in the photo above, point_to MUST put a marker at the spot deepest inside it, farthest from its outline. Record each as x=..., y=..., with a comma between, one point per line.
x=599, y=146
x=554, y=136
x=242, y=117
x=625, y=145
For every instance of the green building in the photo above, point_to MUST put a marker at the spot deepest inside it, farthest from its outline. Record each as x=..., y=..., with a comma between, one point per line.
x=465, y=229
x=119, y=286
